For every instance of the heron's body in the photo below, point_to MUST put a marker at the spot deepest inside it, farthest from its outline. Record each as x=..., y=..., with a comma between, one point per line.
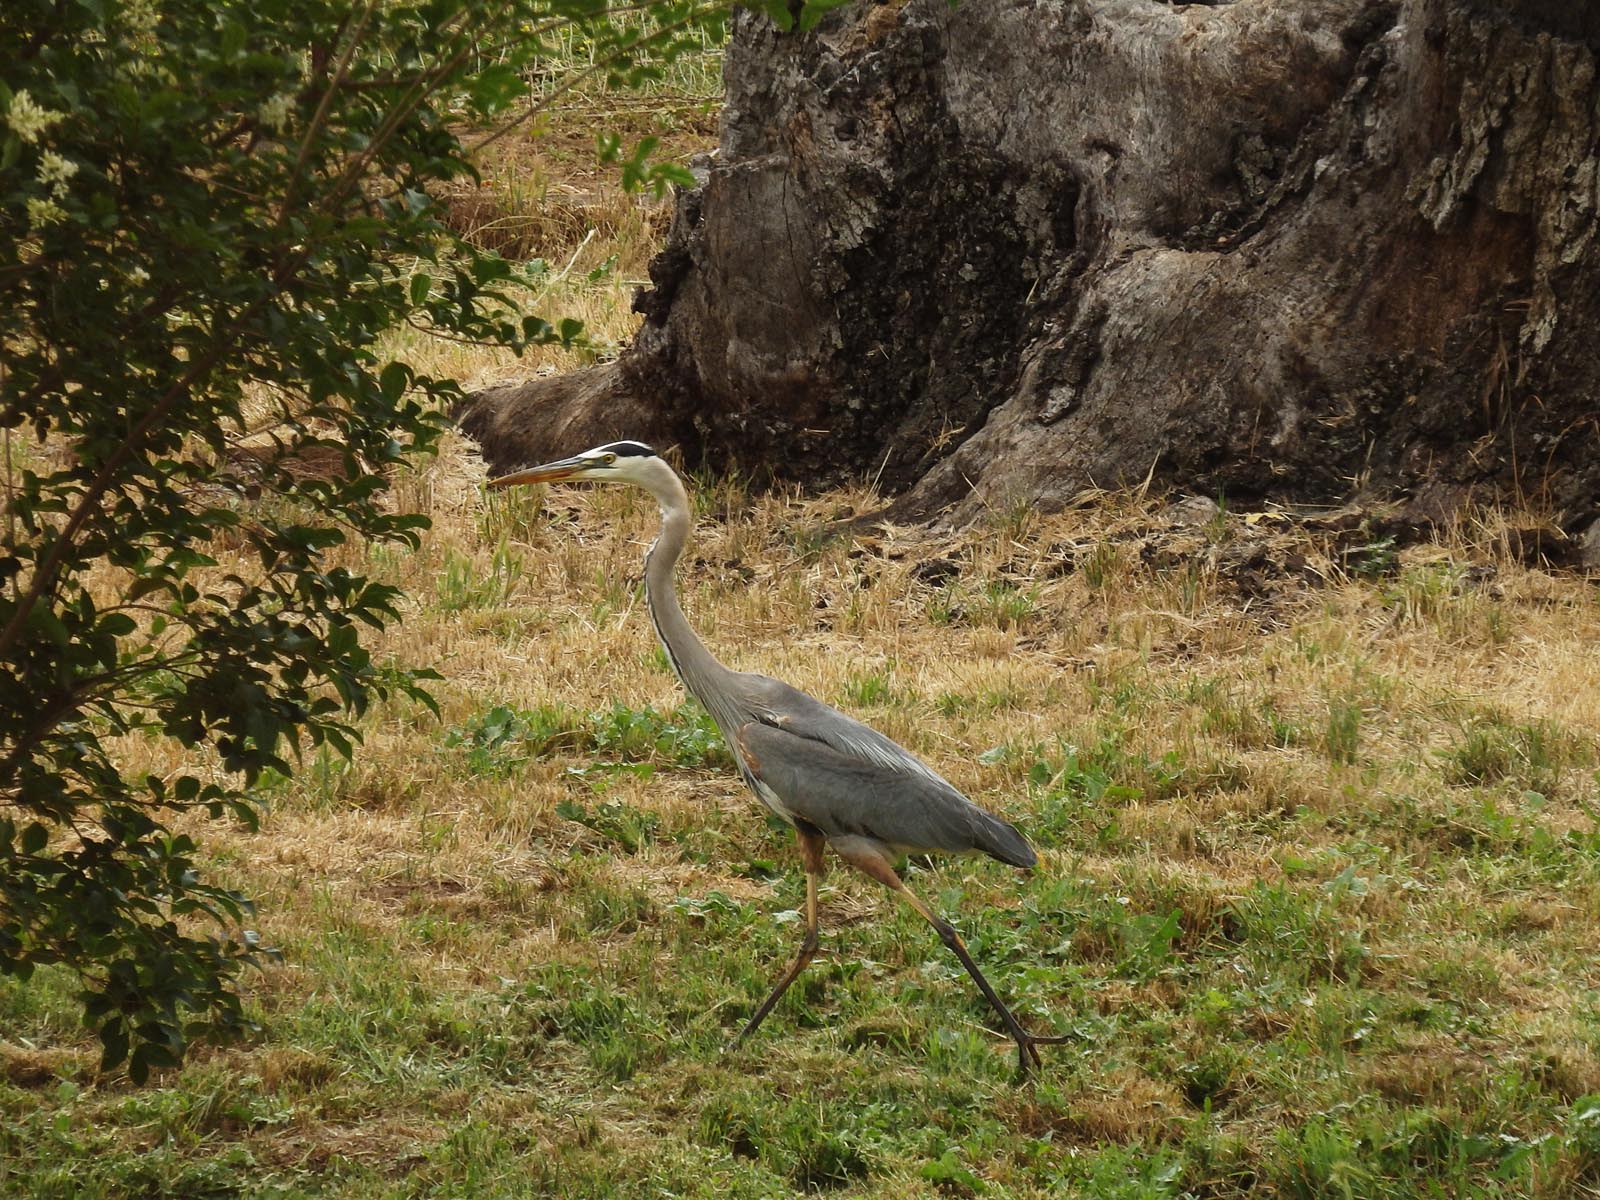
x=840, y=783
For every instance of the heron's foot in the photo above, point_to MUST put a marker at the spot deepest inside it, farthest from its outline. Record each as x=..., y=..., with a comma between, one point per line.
x=1028, y=1059
x=1028, y=1044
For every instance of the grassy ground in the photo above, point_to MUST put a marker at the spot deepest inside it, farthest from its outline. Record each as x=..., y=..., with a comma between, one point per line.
x=1319, y=903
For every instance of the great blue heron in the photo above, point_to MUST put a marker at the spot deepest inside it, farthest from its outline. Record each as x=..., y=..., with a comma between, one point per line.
x=840, y=783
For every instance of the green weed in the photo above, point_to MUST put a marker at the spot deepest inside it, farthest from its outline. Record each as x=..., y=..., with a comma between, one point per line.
x=1372, y=560
x=626, y=827
x=1101, y=565
x=867, y=690
x=684, y=737
x=1532, y=754
x=1004, y=605
x=461, y=587
x=511, y=515
x=500, y=740
x=946, y=606
x=1341, y=738
x=1296, y=935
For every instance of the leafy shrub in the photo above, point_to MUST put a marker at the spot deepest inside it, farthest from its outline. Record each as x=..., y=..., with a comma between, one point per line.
x=210, y=213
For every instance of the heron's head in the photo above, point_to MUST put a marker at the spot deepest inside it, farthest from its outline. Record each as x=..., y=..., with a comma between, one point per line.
x=615, y=462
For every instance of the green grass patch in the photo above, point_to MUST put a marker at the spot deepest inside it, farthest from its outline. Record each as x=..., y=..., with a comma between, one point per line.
x=500, y=740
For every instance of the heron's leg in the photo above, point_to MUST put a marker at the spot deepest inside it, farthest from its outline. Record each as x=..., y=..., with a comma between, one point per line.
x=874, y=864
x=811, y=854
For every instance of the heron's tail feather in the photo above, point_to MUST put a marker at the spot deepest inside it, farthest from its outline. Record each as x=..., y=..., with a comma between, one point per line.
x=1000, y=839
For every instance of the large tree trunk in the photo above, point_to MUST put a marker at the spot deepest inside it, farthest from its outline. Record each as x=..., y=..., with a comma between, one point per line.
x=1001, y=251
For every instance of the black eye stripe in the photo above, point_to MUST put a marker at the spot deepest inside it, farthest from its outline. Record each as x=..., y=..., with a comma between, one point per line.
x=627, y=450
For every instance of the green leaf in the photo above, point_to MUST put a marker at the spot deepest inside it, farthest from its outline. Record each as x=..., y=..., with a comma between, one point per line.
x=948, y=1169
x=113, y=1044
x=43, y=620
x=158, y=333
x=394, y=380
x=495, y=88
x=117, y=625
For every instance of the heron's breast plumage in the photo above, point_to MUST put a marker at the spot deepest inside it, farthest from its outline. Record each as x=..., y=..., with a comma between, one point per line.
x=750, y=771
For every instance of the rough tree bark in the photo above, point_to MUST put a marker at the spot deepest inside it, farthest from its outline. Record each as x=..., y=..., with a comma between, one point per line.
x=997, y=252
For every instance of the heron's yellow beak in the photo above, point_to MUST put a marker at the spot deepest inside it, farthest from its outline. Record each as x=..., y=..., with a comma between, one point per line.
x=565, y=468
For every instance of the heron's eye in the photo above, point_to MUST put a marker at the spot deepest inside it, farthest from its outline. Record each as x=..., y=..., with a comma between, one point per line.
x=609, y=459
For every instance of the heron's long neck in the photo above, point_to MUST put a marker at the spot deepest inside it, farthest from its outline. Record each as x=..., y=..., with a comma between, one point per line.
x=700, y=672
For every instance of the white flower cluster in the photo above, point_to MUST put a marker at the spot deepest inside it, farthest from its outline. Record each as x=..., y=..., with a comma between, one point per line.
x=30, y=120
x=54, y=171
x=27, y=118
x=141, y=16
x=274, y=112
x=44, y=212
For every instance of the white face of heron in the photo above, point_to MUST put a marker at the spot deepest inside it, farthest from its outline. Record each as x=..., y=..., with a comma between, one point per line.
x=620, y=462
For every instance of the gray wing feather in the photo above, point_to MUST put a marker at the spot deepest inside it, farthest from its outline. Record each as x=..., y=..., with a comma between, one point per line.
x=845, y=793
x=776, y=703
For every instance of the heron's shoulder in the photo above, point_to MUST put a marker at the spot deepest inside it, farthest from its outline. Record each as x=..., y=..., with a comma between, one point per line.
x=775, y=696
x=777, y=703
